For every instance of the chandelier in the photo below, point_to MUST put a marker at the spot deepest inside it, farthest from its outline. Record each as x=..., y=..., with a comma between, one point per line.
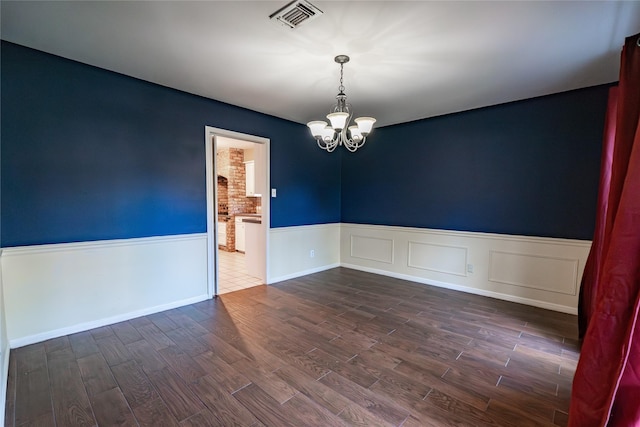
x=340, y=133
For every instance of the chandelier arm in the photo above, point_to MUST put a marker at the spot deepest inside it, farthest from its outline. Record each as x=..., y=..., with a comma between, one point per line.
x=354, y=144
x=351, y=147
x=331, y=145
x=328, y=144
x=343, y=134
x=335, y=139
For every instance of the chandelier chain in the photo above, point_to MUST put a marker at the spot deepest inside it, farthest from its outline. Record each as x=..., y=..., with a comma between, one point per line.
x=341, y=87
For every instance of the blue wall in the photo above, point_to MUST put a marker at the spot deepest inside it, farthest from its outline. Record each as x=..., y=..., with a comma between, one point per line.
x=528, y=168
x=88, y=154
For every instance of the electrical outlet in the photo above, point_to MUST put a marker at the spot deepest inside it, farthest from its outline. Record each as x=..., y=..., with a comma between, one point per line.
x=469, y=268
x=312, y=253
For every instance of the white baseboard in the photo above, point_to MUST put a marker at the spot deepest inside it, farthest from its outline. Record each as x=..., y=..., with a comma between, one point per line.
x=486, y=293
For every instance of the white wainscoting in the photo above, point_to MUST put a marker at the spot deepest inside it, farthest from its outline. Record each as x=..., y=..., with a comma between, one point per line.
x=290, y=248
x=4, y=351
x=55, y=290
x=542, y=272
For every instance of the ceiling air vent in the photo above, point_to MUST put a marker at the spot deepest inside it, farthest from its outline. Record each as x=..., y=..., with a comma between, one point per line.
x=295, y=13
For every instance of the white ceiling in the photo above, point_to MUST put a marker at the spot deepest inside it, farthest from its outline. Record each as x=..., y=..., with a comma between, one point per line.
x=409, y=59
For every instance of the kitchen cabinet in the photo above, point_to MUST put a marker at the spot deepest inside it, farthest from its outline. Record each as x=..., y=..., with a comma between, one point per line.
x=222, y=233
x=254, y=178
x=240, y=233
x=255, y=257
x=250, y=178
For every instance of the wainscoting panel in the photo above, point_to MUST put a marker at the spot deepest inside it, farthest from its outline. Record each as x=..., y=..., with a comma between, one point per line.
x=542, y=272
x=290, y=249
x=551, y=274
x=55, y=290
x=372, y=248
x=440, y=258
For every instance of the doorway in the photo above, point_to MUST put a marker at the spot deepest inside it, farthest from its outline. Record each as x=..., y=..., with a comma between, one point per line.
x=237, y=173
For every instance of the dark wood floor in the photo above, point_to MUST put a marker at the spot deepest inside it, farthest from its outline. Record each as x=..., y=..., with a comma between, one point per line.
x=335, y=348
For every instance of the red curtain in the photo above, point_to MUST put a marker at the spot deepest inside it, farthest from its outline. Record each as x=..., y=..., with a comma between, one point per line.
x=592, y=269
x=606, y=386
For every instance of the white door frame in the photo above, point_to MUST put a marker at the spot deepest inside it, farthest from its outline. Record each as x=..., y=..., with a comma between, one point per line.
x=210, y=134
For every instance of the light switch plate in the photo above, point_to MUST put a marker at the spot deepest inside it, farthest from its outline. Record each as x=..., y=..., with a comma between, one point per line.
x=273, y=192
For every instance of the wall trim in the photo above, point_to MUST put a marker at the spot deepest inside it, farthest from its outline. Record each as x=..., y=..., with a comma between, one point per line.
x=296, y=228
x=32, y=339
x=474, y=234
x=97, y=244
x=470, y=290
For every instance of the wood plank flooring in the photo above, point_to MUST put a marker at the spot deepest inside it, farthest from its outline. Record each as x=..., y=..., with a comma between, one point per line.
x=336, y=348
